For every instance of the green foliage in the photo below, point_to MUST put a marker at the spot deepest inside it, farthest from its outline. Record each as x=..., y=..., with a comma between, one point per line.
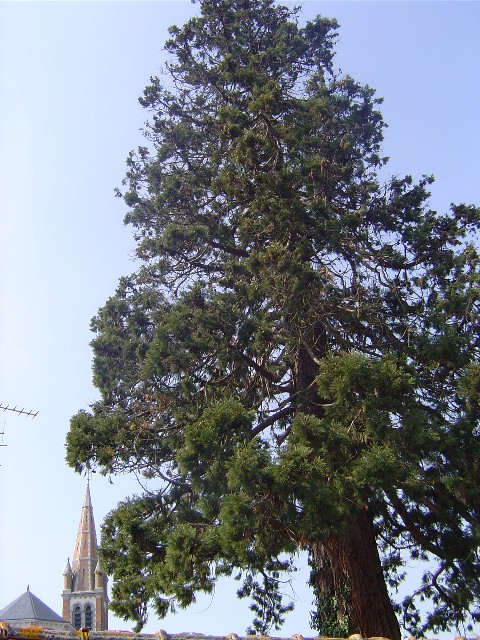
x=298, y=341
x=266, y=601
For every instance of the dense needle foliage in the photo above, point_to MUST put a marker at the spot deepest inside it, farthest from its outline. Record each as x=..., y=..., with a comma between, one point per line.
x=298, y=349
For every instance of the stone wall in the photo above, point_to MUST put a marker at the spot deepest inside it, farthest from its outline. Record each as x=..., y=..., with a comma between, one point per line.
x=9, y=632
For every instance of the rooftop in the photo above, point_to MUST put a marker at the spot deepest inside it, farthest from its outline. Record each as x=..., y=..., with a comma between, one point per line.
x=29, y=607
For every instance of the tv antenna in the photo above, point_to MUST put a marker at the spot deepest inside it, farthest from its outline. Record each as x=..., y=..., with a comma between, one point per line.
x=19, y=412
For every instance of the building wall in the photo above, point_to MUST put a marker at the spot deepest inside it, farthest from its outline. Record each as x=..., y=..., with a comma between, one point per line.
x=47, y=625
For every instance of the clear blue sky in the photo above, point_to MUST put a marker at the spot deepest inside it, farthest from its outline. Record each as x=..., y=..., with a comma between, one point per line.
x=70, y=75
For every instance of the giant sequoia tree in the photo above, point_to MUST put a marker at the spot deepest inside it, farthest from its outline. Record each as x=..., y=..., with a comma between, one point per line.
x=294, y=365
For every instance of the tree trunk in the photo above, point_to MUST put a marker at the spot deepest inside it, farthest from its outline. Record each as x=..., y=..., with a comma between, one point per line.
x=347, y=574
x=348, y=579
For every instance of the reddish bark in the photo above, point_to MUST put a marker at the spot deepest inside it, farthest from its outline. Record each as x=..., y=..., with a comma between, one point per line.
x=352, y=560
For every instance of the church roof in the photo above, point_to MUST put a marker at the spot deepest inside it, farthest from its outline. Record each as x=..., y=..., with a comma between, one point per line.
x=29, y=607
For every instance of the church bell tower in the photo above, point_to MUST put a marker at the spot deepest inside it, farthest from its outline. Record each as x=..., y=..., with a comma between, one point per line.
x=85, y=601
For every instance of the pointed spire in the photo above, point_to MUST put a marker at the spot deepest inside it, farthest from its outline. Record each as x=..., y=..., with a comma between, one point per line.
x=68, y=576
x=100, y=578
x=85, y=557
x=68, y=569
x=99, y=568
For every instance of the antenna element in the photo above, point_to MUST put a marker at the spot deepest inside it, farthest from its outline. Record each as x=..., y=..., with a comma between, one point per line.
x=22, y=412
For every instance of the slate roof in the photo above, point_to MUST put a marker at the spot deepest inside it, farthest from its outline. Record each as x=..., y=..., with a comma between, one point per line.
x=29, y=607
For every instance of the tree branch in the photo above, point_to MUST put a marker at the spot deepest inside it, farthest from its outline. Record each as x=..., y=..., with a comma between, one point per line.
x=271, y=420
x=411, y=527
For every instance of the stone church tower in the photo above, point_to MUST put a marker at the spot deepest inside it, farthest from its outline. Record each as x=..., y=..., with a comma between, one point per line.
x=85, y=601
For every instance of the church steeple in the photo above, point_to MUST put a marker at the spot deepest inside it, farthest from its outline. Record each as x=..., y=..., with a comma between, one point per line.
x=85, y=585
x=85, y=556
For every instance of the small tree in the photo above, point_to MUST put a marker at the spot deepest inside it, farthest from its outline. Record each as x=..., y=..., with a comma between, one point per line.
x=296, y=358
